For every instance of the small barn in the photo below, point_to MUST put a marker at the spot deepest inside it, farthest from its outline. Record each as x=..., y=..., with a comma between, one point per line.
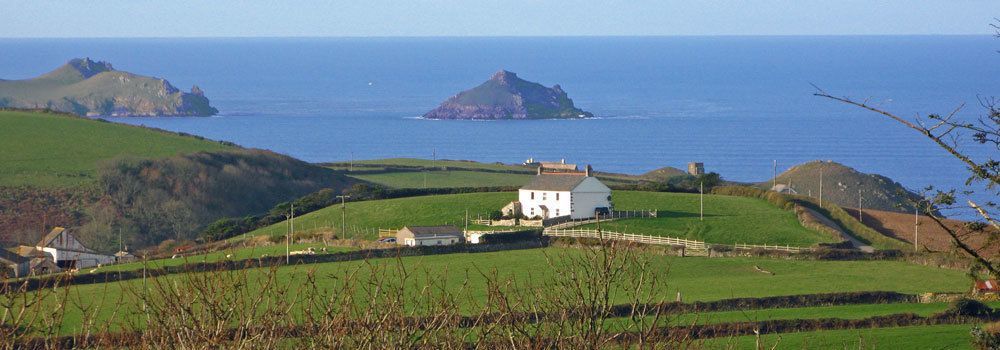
x=13, y=265
x=986, y=287
x=413, y=236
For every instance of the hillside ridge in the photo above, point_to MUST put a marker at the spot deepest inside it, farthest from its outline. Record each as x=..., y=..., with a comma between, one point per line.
x=95, y=88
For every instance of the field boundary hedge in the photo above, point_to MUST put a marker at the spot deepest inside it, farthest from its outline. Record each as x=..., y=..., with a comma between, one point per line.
x=659, y=334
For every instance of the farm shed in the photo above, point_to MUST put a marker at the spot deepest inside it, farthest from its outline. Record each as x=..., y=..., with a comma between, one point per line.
x=13, y=265
x=66, y=251
x=429, y=235
x=986, y=287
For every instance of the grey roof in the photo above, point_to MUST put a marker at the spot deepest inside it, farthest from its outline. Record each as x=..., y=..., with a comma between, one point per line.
x=558, y=166
x=555, y=182
x=11, y=257
x=434, y=230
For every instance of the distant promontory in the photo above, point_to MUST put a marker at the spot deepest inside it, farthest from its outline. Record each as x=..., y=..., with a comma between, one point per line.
x=506, y=96
x=94, y=88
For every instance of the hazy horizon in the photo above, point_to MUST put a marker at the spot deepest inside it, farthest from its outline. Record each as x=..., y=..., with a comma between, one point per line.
x=515, y=18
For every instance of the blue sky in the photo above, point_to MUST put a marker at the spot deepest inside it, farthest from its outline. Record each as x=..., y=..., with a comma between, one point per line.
x=308, y=18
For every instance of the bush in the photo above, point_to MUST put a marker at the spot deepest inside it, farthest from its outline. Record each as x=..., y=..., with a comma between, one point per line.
x=276, y=239
x=986, y=338
x=969, y=307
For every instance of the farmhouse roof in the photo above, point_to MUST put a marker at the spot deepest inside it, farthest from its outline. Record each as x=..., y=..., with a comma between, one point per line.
x=433, y=231
x=558, y=166
x=555, y=182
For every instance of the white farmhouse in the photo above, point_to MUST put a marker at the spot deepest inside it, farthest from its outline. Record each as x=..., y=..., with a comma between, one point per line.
x=565, y=193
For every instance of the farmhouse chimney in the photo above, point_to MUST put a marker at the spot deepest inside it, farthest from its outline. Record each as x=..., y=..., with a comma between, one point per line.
x=539, y=170
x=590, y=171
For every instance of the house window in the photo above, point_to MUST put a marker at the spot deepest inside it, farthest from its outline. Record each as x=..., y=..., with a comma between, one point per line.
x=532, y=195
x=544, y=194
x=557, y=195
x=532, y=211
x=557, y=211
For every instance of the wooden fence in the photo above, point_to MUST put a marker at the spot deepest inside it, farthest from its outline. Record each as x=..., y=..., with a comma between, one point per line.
x=646, y=239
x=784, y=248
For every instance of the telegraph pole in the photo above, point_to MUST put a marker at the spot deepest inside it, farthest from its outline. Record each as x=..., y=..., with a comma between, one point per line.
x=916, y=227
x=774, y=175
x=701, y=199
x=288, y=237
x=343, y=214
x=821, y=185
x=859, y=207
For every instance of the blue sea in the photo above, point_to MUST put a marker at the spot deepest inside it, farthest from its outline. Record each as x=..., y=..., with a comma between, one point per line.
x=734, y=103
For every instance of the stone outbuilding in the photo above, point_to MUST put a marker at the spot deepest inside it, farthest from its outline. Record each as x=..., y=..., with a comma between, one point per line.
x=429, y=236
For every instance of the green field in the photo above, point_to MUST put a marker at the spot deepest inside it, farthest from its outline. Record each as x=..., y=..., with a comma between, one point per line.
x=396, y=213
x=455, y=173
x=446, y=179
x=914, y=337
x=841, y=311
x=728, y=219
x=50, y=150
x=697, y=279
x=427, y=163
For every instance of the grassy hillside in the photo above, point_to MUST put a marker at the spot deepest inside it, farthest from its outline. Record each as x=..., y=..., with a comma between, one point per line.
x=841, y=184
x=728, y=219
x=82, y=86
x=101, y=179
x=55, y=150
x=399, y=212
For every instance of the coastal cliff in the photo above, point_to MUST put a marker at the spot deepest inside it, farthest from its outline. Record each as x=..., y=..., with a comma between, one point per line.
x=506, y=96
x=95, y=88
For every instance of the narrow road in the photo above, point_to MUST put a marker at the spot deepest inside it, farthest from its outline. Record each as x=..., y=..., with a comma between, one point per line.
x=843, y=234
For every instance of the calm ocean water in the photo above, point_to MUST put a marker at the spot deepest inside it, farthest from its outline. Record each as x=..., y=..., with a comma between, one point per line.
x=735, y=103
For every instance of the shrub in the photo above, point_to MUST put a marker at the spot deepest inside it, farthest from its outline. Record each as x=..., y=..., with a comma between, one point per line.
x=276, y=239
x=969, y=307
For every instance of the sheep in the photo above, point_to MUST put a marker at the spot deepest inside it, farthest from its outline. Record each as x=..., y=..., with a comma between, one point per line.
x=174, y=257
x=308, y=251
x=229, y=256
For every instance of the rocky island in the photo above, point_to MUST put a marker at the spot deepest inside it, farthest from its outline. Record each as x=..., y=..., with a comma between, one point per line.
x=506, y=96
x=95, y=88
